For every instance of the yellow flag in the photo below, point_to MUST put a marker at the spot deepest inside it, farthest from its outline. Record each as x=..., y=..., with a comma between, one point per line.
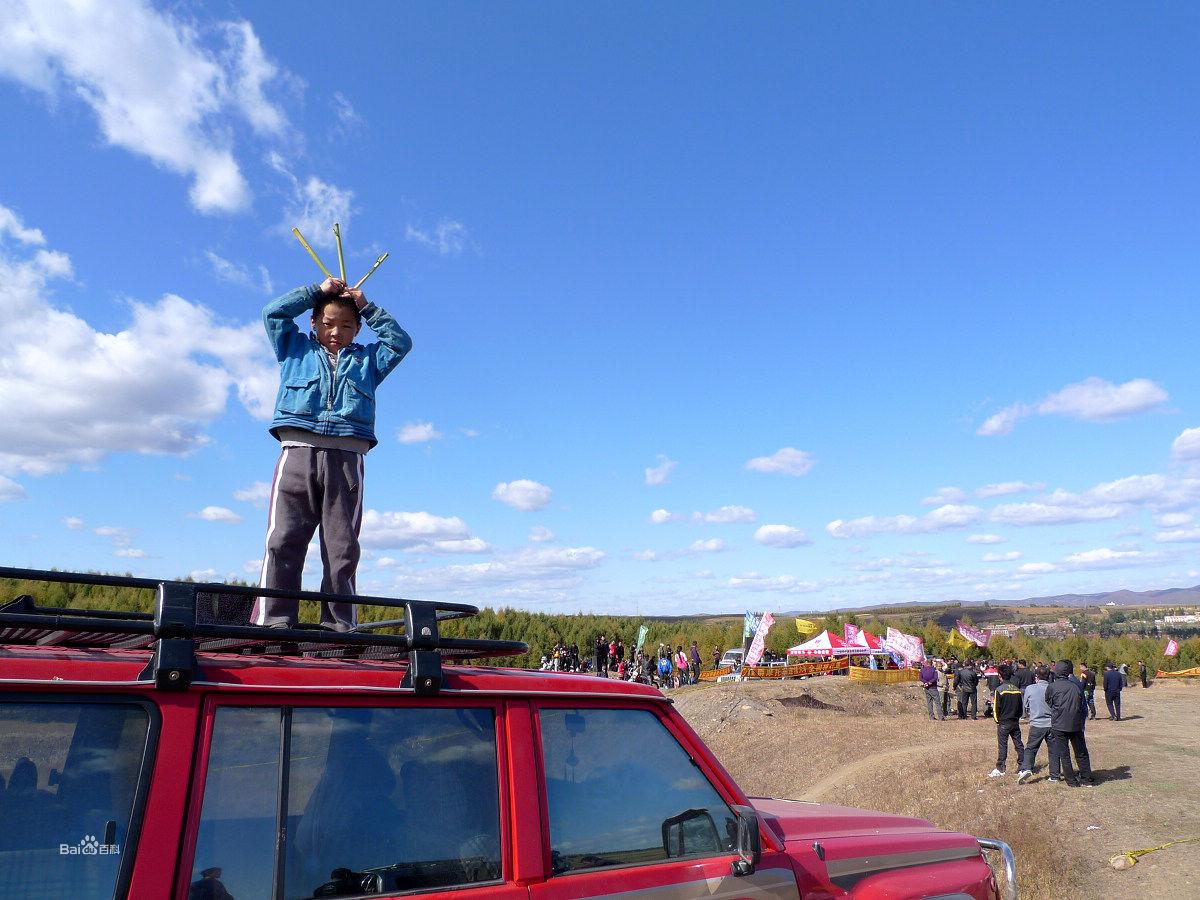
x=804, y=626
x=957, y=639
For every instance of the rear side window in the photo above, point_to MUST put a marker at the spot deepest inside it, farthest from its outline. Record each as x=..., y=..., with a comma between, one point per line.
x=366, y=801
x=622, y=791
x=69, y=775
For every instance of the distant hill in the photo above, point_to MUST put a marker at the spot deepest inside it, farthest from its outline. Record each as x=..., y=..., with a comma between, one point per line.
x=1189, y=596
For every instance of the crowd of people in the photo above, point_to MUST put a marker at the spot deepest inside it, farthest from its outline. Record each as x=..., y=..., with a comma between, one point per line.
x=665, y=668
x=1052, y=698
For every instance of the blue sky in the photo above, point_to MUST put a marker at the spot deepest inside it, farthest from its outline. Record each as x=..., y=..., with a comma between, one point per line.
x=714, y=307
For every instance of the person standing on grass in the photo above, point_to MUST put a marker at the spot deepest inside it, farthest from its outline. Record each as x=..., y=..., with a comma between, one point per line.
x=696, y=663
x=929, y=681
x=966, y=681
x=1142, y=673
x=1113, y=682
x=1038, y=713
x=1064, y=696
x=1007, y=705
x=946, y=683
x=1023, y=676
x=1088, y=679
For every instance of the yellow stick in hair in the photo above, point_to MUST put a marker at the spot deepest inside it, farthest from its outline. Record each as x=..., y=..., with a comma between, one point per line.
x=311, y=252
x=337, y=234
x=378, y=263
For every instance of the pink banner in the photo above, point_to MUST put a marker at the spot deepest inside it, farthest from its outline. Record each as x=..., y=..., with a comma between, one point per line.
x=909, y=646
x=1172, y=648
x=974, y=635
x=760, y=639
x=853, y=633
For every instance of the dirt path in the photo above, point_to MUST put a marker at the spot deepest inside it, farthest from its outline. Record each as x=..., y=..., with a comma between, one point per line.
x=876, y=748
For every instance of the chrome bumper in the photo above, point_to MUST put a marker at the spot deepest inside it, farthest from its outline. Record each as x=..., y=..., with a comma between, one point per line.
x=1009, y=888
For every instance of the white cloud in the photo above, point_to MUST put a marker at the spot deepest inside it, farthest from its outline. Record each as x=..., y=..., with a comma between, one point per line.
x=239, y=276
x=74, y=523
x=1178, y=536
x=252, y=566
x=727, y=515
x=1173, y=520
x=1039, y=568
x=119, y=536
x=1104, y=558
x=781, y=537
x=523, y=494
x=660, y=474
x=130, y=553
x=418, y=532
x=944, y=495
x=258, y=494
x=1134, y=489
x=12, y=226
x=417, y=433
x=1051, y=514
x=1010, y=556
x=313, y=206
x=1004, y=488
x=535, y=574
x=203, y=575
x=940, y=519
x=216, y=514
x=1090, y=400
x=785, y=461
x=985, y=539
x=1187, y=445
x=783, y=584
x=155, y=89
x=345, y=111
x=150, y=388
x=11, y=491
x=663, y=516
x=447, y=238
x=709, y=545
x=540, y=534
x=696, y=548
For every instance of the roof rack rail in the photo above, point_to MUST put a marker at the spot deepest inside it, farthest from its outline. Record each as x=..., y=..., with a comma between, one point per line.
x=190, y=616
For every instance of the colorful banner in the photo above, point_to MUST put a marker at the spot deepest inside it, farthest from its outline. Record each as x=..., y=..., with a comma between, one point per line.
x=909, y=648
x=749, y=625
x=642, y=632
x=884, y=676
x=798, y=670
x=807, y=626
x=1172, y=648
x=1193, y=672
x=853, y=635
x=760, y=639
x=974, y=635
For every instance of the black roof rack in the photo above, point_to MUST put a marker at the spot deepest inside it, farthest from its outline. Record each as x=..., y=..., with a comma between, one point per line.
x=191, y=616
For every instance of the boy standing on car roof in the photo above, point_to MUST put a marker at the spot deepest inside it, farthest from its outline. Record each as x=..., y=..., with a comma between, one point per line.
x=325, y=423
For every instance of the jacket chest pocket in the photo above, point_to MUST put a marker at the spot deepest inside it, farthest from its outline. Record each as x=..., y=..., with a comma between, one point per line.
x=358, y=402
x=301, y=396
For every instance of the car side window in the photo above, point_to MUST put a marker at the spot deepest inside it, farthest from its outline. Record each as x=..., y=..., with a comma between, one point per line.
x=622, y=791
x=69, y=775
x=378, y=800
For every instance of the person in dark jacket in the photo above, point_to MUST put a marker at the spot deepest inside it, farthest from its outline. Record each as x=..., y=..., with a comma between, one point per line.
x=966, y=683
x=1113, y=682
x=1007, y=706
x=1023, y=676
x=1088, y=679
x=1143, y=674
x=1068, y=711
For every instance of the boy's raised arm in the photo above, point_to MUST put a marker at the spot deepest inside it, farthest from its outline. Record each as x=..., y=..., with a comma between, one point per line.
x=279, y=317
x=393, y=344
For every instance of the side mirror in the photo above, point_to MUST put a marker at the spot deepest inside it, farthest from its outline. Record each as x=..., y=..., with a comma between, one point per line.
x=749, y=841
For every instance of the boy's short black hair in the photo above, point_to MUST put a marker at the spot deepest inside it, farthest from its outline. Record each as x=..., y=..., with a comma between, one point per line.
x=346, y=302
x=1004, y=671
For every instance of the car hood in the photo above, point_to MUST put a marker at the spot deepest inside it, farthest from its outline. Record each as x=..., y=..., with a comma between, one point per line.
x=798, y=820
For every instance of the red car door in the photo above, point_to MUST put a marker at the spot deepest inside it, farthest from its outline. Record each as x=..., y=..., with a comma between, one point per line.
x=626, y=807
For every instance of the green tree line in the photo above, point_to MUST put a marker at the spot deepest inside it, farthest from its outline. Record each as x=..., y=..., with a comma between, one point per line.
x=542, y=631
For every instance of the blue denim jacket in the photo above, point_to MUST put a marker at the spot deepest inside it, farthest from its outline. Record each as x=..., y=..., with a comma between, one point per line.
x=310, y=397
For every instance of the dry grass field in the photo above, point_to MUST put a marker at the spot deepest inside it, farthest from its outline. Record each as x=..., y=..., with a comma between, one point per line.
x=874, y=747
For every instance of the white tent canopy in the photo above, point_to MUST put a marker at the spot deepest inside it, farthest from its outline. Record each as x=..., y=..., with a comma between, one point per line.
x=827, y=644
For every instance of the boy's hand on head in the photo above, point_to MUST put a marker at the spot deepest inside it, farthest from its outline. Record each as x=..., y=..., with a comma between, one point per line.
x=333, y=287
x=359, y=298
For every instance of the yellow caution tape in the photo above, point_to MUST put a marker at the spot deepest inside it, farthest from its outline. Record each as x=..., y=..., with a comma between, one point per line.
x=1130, y=857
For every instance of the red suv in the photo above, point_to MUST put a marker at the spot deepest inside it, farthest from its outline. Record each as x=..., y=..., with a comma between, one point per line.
x=173, y=755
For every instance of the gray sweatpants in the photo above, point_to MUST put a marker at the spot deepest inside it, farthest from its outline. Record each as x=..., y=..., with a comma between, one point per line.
x=313, y=488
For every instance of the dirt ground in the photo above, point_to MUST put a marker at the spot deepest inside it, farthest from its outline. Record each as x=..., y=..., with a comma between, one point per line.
x=872, y=746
